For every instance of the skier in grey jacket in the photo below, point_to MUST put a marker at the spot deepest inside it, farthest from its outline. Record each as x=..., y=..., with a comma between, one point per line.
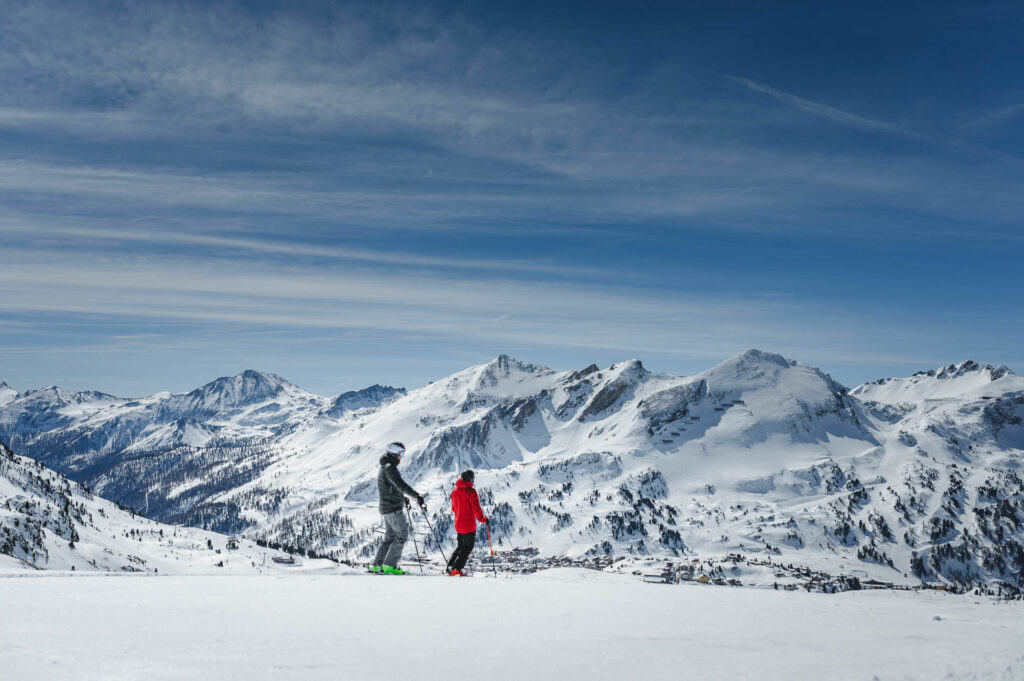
x=393, y=491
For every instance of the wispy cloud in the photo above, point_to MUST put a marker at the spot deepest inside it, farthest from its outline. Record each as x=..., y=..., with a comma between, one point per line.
x=994, y=119
x=79, y=237
x=948, y=142
x=458, y=130
x=250, y=294
x=358, y=72
x=824, y=111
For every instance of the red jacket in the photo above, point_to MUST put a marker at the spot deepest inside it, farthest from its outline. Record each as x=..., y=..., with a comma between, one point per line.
x=465, y=505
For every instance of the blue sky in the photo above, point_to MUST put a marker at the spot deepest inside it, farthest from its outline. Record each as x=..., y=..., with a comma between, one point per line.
x=348, y=193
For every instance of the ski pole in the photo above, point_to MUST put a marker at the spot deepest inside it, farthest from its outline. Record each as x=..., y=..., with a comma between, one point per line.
x=491, y=546
x=412, y=531
x=423, y=509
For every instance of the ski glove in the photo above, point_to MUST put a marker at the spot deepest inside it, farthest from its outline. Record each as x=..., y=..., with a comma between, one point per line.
x=420, y=500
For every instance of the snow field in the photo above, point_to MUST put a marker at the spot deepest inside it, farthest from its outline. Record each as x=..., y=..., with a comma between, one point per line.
x=556, y=624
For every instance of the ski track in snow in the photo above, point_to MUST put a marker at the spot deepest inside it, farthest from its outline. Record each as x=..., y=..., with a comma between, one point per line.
x=558, y=624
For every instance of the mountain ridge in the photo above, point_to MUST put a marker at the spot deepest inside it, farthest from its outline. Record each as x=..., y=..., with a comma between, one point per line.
x=910, y=479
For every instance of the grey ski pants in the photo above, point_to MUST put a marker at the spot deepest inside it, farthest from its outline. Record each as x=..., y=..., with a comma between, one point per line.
x=396, y=532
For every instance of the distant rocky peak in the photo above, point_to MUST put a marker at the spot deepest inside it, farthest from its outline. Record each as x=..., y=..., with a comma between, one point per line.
x=755, y=370
x=1000, y=371
x=631, y=367
x=505, y=366
x=244, y=388
x=760, y=357
x=751, y=367
x=261, y=377
x=966, y=368
x=617, y=383
x=372, y=397
x=502, y=368
x=577, y=375
x=969, y=367
x=54, y=395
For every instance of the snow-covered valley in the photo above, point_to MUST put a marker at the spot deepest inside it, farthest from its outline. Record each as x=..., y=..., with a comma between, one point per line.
x=557, y=624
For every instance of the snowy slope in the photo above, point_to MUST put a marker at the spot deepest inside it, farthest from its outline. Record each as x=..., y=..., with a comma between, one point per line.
x=48, y=522
x=560, y=624
x=959, y=407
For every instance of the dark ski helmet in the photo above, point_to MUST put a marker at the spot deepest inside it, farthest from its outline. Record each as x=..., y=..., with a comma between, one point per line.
x=468, y=476
x=395, y=448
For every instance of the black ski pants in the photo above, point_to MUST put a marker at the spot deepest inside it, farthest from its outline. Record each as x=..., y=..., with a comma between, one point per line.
x=461, y=554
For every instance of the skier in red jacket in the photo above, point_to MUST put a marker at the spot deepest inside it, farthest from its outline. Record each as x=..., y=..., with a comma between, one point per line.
x=466, y=507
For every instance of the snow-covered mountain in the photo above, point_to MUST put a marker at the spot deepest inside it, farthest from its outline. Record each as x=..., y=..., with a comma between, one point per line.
x=71, y=429
x=902, y=479
x=7, y=394
x=50, y=522
x=758, y=455
x=168, y=455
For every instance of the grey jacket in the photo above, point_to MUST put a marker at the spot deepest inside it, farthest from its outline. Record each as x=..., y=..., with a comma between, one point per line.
x=391, y=487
